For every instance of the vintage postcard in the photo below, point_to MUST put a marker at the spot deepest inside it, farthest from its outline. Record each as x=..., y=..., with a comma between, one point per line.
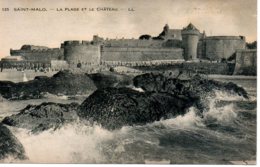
x=128, y=81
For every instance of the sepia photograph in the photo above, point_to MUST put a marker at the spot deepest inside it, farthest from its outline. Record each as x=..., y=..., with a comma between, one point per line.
x=128, y=82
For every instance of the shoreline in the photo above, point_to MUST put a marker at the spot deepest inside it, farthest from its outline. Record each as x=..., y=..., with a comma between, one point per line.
x=218, y=76
x=17, y=76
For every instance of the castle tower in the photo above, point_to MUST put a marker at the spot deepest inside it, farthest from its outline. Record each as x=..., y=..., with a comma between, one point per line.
x=190, y=39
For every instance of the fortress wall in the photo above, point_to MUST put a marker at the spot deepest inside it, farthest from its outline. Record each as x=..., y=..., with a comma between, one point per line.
x=246, y=62
x=142, y=43
x=223, y=47
x=39, y=55
x=202, y=67
x=201, y=50
x=80, y=53
x=172, y=44
x=210, y=68
x=25, y=64
x=133, y=43
x=59, y=64
x=33, y=47
x=140, y=54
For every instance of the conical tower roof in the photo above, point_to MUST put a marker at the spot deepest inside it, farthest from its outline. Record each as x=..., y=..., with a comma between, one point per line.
x=190, y=29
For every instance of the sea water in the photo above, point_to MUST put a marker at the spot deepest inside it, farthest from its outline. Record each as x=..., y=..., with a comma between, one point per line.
x=225, y=133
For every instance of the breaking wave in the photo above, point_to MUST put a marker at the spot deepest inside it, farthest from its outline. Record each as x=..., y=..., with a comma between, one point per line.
x=73, y=143
x=163, y=141
x=225, y=132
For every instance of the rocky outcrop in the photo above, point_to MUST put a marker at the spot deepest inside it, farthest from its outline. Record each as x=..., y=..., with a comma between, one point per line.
x=110, y=79
x=42, y=117
x=10, y=147
x=194, y=86
x=113, y=107
x=162, y=98
x=117, y=107
x=64, y=82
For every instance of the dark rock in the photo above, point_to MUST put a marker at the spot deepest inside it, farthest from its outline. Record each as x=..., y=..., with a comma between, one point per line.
x=162, y=98
x=43, y=117
x=114, y=107
x=110, y=79
x=64, y=82
x=117, y=107
x=195, y=86
x=9, y=145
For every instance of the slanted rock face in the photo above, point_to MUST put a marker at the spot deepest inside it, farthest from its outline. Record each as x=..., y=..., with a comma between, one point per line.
x=44, y=116
x=9, y=145
x=117, y=107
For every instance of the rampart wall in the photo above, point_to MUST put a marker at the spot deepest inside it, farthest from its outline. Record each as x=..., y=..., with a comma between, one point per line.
x=199, y=67
x=142, y=43
x=201, y=50
x=39, y=55
x=172, y=44
x=140, y=54
x=25, y=64
x=246, y=62
x=33, y=47
x=59, y=64
x=218, y=47
x=133, y=43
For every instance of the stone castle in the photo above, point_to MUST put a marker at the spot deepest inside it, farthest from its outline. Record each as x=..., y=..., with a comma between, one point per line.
x=170, y=46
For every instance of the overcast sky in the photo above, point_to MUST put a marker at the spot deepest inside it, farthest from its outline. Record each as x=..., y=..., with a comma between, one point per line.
x=216, y=17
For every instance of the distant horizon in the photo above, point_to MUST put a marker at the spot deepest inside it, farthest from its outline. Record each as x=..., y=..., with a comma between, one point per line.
x=51, y=28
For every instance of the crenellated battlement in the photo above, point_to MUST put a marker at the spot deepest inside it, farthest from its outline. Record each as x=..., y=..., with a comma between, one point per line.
x=36, y=50
x=76, y=43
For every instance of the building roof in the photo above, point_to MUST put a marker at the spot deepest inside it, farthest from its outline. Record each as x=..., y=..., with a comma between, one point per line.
x=174, y=33
x=190, y=27
x=170, y=33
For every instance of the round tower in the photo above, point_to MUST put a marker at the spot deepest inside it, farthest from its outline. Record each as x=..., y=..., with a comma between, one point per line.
x=190, y=39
